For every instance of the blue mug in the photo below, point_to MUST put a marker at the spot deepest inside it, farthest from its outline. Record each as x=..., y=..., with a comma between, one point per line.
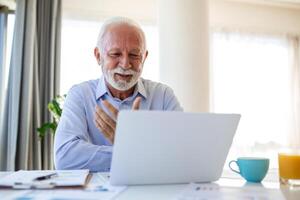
x=250, y=168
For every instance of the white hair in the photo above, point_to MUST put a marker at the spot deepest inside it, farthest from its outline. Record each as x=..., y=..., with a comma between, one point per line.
x=119, y=21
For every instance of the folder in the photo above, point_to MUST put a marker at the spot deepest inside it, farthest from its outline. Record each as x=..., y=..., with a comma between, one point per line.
x=24, y=179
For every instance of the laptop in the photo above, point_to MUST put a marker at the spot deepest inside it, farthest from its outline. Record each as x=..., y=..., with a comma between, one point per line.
x=166, y=147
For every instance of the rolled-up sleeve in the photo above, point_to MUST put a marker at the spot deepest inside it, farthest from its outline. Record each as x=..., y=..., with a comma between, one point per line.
x=72, y=145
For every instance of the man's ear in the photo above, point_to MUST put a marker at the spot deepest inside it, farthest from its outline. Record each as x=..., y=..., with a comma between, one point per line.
x=146, y=54
x=97, y=55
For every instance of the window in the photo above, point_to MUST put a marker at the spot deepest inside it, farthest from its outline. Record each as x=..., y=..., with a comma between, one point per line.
x=250, y=76
x=10, y=34
x=4, y=70
x=78, y=64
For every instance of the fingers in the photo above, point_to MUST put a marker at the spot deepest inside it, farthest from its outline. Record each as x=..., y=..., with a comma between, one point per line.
x=105, y=123
x=105, y=117
x=136, y=103
x=111, y=108
x=105, y=129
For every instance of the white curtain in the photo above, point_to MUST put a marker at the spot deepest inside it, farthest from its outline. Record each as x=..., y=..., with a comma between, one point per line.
x=294, y=49
x=33, y=82
x=258, y=75
x=3, y=37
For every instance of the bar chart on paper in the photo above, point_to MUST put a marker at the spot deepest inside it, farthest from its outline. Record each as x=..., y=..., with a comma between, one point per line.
x=212, y=191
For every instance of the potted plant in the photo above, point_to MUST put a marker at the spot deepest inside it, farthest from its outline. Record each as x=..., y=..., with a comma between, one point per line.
x=55, y=108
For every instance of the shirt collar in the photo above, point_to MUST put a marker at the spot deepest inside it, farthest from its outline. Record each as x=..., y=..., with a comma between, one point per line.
x=141, y=88
x=102, y=88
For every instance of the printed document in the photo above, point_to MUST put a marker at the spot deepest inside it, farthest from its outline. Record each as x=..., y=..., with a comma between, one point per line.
x=63, y=178
x=197, y=191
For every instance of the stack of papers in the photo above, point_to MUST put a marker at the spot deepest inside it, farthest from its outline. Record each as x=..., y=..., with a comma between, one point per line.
x=26, y=179
x=97, y=188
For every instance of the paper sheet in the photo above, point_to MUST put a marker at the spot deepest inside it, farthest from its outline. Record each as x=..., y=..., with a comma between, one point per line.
x=64, y=178
x=106, y=192
x=212, y=191
x=97, y=188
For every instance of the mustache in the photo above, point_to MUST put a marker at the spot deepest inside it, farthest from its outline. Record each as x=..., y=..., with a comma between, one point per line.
x=120, y=70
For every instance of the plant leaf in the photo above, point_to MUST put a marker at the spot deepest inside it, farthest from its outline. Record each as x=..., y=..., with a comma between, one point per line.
x=46, y=127
x=55, y=108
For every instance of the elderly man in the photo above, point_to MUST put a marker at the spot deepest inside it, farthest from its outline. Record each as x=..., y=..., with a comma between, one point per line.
x=86, y=130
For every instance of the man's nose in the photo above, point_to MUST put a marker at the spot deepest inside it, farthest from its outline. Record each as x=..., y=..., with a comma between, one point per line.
x=124, y=62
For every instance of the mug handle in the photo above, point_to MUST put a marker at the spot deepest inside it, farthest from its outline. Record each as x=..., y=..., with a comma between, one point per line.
x=233, y=161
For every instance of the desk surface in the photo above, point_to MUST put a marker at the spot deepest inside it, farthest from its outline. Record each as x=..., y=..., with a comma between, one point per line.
x=165, y=192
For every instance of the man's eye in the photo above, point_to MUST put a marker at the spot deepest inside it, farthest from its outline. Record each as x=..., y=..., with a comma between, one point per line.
x=114, y=54
x=135, y=56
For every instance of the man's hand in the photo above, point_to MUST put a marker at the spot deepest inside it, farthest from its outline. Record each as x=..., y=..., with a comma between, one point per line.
x=107, y=124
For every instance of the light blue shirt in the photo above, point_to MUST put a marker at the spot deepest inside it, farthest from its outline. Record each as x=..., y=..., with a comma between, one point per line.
x=79, y=144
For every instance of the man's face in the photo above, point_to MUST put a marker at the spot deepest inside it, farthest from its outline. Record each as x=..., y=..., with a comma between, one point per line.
x=122, y=57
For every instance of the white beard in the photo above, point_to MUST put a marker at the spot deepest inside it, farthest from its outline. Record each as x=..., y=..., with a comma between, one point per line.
x=121, y=85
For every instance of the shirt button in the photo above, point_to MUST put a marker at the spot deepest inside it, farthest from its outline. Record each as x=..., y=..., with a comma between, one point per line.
x=124, y=105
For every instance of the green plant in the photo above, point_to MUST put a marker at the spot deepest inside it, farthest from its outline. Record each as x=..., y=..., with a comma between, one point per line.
x=55, y=108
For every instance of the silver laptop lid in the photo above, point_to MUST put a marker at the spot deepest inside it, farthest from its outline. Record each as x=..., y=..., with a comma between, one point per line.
x=159, y=147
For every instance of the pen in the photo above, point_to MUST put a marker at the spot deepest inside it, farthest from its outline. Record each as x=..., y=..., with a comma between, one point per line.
x=45, y=177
